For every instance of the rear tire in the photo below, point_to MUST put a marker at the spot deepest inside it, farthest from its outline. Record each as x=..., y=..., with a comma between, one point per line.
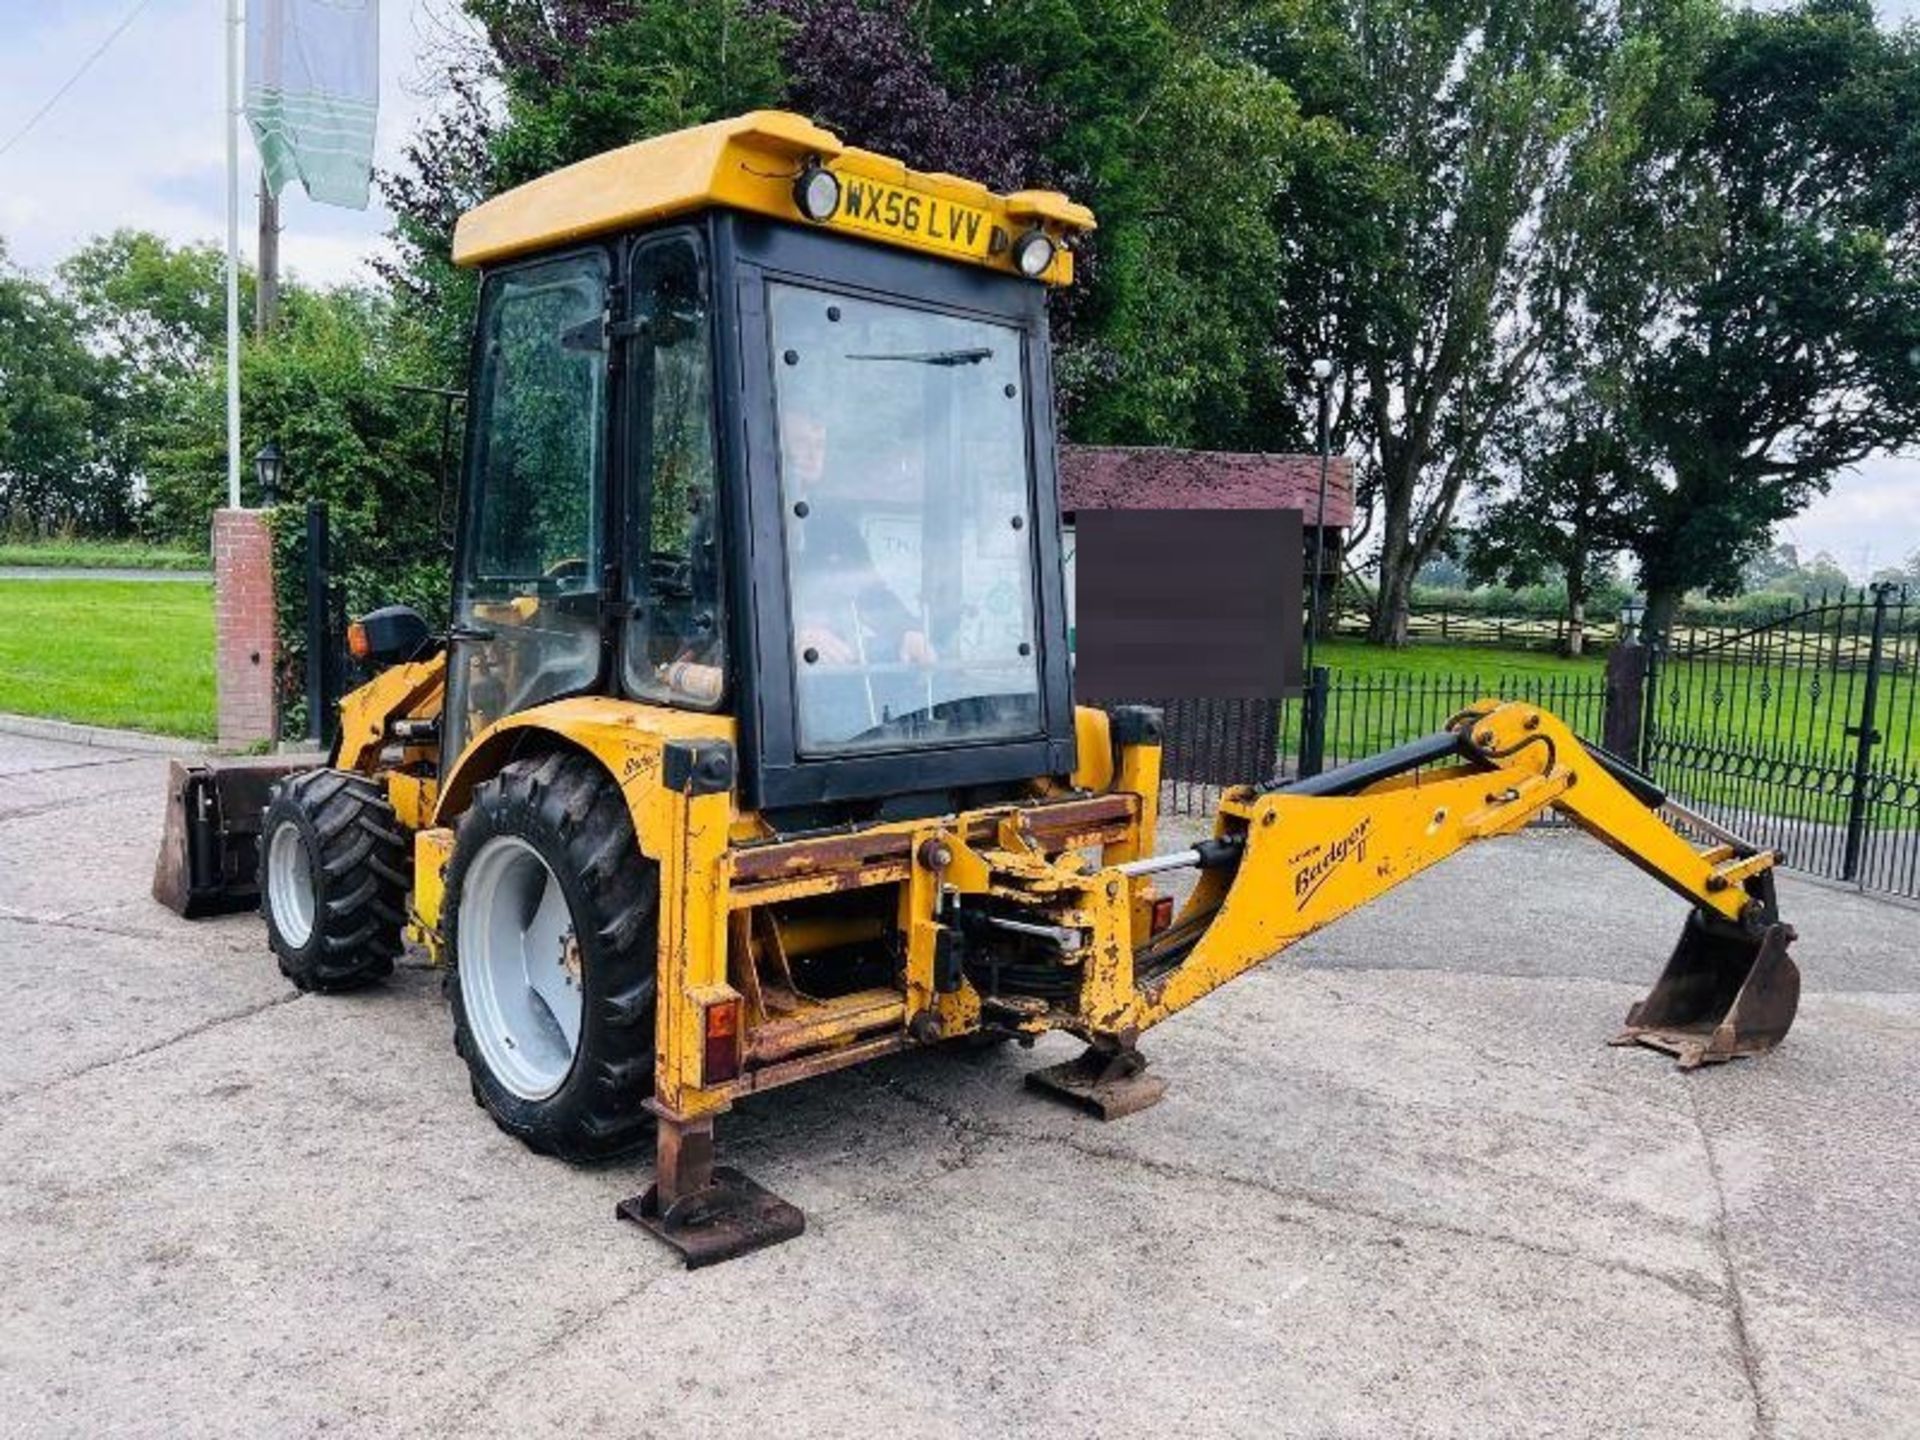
x=333, y=880
x=551, y=929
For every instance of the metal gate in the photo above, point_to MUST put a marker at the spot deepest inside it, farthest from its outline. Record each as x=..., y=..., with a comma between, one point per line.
x=1801, y=734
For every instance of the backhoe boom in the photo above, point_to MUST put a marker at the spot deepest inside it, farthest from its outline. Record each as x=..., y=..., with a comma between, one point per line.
x=1288, y=859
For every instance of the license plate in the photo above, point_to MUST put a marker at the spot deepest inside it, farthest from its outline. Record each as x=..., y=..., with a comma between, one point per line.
x=879, y=209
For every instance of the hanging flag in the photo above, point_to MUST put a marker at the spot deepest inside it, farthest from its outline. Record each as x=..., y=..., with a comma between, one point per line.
x=313, y=94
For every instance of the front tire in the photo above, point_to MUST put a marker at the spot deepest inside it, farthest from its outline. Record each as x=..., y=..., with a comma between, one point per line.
x=551, y=927
x=333, y=880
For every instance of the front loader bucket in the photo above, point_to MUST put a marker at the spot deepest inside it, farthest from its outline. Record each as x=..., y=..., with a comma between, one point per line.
x=209, y=851
x=1724, y=993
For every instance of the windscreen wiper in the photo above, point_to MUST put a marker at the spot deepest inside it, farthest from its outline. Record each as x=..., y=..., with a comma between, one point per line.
x=935, y=357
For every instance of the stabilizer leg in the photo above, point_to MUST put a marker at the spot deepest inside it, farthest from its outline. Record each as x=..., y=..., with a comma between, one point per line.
x=707, y=1212
x=1106, y=1080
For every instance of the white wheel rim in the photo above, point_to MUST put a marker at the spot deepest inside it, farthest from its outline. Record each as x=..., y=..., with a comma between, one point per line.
x=519, y=968
x=290, y=884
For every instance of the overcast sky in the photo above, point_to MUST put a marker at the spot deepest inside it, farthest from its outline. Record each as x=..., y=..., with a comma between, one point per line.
x=138, y=141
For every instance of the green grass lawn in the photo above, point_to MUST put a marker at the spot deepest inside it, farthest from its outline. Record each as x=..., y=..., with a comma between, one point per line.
x=101, y=554
x=1772, y=709
x=1353, y=657
x=1381, y=698
x=133, y=654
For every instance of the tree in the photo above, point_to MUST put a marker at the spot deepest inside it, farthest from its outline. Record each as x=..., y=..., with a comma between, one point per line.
x=1562, y=514
x=576, y=77
x=327, y=388
x=155, y=306
x=1907, y=574
x=1461, y=157
x=1789, y=298
x=50, y=459
x=1779, y=570
x=153, y=315
x=1182, y=147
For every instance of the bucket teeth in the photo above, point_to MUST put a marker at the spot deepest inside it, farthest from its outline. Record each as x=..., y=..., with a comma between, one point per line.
x=1725, y=992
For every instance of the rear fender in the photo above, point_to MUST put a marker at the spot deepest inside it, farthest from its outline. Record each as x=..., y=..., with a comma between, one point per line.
x=625, y=739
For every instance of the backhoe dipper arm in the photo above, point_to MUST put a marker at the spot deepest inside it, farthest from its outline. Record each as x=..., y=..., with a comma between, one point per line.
x=1295, y=857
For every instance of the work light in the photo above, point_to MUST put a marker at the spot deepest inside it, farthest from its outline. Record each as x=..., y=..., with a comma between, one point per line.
x=1033, y=253
x=817, y=192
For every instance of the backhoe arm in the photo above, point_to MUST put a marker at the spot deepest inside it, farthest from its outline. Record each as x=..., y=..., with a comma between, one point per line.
x=1288, y=859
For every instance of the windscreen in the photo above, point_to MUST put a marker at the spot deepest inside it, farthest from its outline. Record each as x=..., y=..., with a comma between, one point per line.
x=904, y=472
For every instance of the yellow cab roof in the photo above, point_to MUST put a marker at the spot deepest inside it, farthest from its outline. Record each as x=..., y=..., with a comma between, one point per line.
x=750, y=163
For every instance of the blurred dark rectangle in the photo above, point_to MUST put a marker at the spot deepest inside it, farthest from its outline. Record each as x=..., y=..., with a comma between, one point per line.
x=1194, y=604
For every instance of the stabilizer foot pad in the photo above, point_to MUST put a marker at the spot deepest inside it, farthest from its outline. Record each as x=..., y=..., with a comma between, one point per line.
x=1101, y=1084
x=731, y=1217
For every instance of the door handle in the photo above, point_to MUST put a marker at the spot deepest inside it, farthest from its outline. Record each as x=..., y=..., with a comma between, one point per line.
x=469, y=632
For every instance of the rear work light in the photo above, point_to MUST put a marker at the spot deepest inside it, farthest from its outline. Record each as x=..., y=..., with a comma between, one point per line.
x=1033, y=253
x=720, y=1045
x=817, y=193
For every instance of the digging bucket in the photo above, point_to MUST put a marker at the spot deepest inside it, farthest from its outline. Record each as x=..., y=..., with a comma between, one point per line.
x=1728, y=990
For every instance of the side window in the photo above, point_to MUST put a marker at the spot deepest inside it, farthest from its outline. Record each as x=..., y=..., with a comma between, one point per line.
x=675, y=647
x=537, y=511
x=527, y=597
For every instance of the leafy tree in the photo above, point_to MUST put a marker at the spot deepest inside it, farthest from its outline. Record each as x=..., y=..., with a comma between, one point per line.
x=1907, y=574
x=1779, y=570
x=1788, y=338
x=578, y=77
x=1460, y=157
x=327, y=388
x=51, y=467
x=154, y=316
x=868, y=72
x=155, y=306
x=1561, y=517
x=1182, y=147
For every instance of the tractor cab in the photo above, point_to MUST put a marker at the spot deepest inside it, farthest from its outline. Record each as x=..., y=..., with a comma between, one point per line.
x=761, y=425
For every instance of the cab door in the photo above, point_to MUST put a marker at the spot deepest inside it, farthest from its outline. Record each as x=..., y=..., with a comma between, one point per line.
x=528, y=610
x=675, y=648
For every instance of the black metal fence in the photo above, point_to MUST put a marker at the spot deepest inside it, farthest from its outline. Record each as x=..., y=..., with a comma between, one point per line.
x=1369, y=713
x=1802, y=734
x=1214, y=744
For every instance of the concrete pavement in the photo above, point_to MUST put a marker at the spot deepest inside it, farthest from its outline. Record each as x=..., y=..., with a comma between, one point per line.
x=1399, y=1186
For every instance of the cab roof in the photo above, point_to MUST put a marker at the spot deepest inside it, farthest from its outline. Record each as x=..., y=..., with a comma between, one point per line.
x=751, y=163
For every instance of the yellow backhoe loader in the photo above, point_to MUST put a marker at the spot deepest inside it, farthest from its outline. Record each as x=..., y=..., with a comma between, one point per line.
x=750, y=751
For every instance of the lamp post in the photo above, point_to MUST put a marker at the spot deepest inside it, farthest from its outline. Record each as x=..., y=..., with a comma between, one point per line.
x=1322, y=376
x=1314, y=694
x=268, y=466
x=1631, y=615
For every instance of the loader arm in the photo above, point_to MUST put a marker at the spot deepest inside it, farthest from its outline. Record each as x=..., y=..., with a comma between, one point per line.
x=1287, y=859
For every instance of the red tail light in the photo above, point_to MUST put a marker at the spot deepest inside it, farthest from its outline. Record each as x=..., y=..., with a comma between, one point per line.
x=1162, y=914
x=720, y=1054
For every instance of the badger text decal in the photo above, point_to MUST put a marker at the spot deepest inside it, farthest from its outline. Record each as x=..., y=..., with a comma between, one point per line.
x=1320, y=862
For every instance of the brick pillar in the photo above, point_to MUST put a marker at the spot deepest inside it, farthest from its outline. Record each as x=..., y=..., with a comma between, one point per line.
x=243, y=623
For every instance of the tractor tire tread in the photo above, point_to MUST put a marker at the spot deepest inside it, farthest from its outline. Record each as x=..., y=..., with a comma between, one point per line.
x=568, y=808
x=359, y=856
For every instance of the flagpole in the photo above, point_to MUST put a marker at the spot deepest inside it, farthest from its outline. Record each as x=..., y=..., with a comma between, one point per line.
x=233, y=254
